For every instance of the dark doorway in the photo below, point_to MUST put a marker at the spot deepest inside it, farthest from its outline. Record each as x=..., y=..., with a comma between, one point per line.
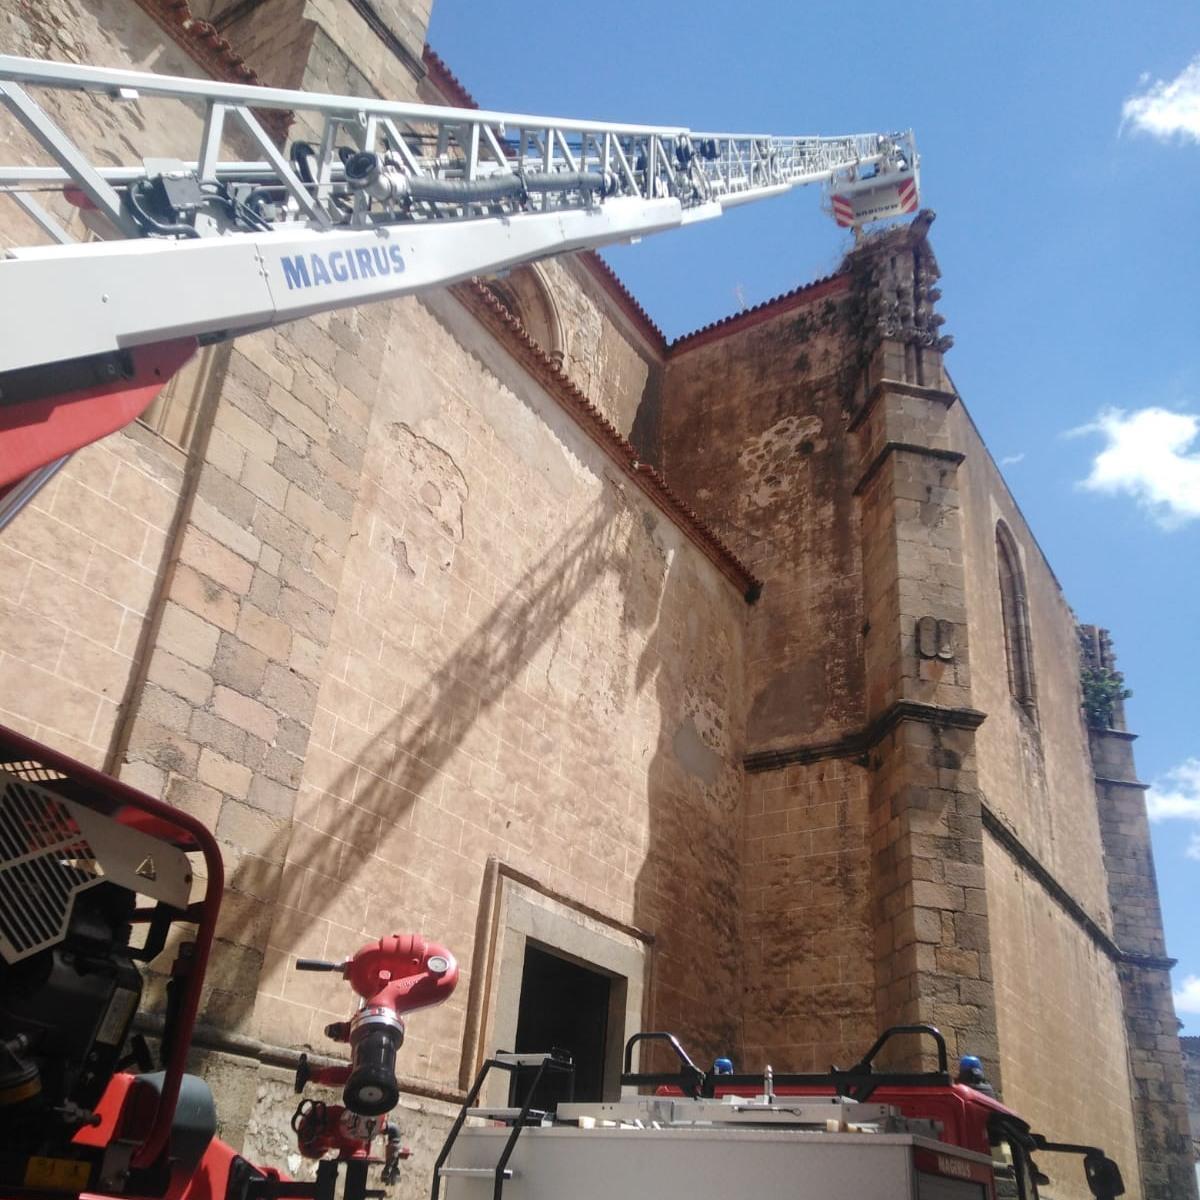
x=563, y=1007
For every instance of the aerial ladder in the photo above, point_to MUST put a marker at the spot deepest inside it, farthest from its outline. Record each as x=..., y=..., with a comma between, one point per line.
x=380, y=200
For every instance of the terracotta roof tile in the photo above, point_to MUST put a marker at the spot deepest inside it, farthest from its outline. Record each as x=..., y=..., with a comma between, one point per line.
x=445, y=80
x=738, y=321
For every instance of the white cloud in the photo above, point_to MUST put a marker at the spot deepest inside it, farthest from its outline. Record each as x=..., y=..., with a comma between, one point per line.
x=1176, y=794
x=1165, y=108
x=1148, y=455
x=1009, y=459
x=1187, y=999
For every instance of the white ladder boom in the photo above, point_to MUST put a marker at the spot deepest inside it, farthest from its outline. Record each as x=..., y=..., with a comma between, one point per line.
x=385, y=200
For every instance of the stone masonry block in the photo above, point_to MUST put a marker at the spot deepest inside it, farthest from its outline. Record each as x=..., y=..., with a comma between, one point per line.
x=247, y=714
x=288, y=408
x=264, y=591
x=187, y=635
x=230, y=740
x=264, y=632
x=198, y=799
x=264, y=481
x=256, y=362
x=289, y=693
x=239, y=665
x=315, y=517
x=272, y=797
x=204, y=597
x=283, y=768
x=223, y=774
x=305, y=615
x=229, y=533
x=936, y=895
x=258, y=442
x=164, y=748
x=165, y=708
x=252, y=829
x=220, y=564
x=226, y=495
x=291, y=540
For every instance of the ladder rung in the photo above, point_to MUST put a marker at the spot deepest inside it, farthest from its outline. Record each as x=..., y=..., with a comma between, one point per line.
x=475, y=1172
x=522, y=1060
x=505, y=1114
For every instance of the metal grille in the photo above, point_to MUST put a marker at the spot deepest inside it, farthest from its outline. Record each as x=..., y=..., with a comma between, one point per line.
x=44, y=862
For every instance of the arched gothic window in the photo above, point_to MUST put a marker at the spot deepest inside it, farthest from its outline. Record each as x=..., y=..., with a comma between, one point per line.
x=1014, y=610
x=527, y=296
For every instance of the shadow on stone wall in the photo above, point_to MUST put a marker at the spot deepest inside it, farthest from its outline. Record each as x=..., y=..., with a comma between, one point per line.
x=430, y=729
x=686, y=889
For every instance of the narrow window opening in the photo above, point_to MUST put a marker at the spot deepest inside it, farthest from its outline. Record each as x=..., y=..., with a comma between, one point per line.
x=1014, y=610
x=563, y=1006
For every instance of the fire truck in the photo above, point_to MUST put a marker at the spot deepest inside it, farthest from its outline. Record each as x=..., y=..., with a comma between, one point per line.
x=100, y=884
x=97, y=879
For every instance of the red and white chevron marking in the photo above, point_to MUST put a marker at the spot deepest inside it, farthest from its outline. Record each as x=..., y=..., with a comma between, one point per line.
x=843, y=211
x=874, y=205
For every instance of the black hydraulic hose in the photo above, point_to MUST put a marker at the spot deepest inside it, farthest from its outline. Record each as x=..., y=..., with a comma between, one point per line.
x=499, y=187
x=364, y=170
x=152, y=224
x=464, y=191
x=584, y=181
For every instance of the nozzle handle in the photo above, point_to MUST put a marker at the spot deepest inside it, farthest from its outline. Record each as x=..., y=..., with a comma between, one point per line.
x=317, y=964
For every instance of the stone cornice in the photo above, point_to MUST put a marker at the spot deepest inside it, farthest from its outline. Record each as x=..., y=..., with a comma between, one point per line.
x=950, y=456
x=858, y=743
x=1129, y=783
x=1033, y=866
x=510, y=333
x=897, y=387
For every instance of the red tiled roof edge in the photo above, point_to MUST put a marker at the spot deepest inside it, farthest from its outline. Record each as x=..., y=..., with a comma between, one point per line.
x=206, y=46
x=445, y=80
x=451, y=87
x=737, y=322
x=484, y=306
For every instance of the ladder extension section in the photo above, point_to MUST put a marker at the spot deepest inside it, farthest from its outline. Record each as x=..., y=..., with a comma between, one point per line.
x=373, y=200
x=376, y=199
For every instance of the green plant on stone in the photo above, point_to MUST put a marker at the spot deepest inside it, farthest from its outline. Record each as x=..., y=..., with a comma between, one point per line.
x=1103, y=689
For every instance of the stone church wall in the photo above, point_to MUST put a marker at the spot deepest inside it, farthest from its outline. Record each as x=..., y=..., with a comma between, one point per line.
x=1035, y=773
x=1059, y=1014
x=754, y=437
x=502, y=681
x=1061, y=1026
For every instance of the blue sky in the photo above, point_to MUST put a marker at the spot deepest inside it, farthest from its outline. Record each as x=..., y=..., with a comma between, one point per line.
x=1060, y=148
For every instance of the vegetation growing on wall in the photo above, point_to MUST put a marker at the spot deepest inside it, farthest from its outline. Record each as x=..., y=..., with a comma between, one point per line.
x=1103, y=690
